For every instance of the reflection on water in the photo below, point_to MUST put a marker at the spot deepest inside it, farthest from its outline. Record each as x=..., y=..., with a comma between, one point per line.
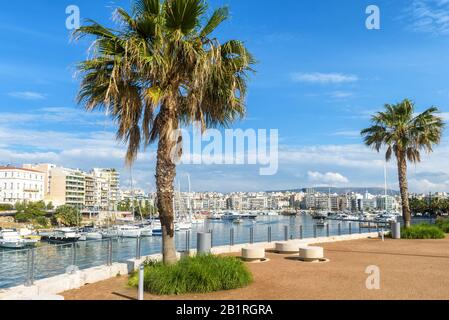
x=53, y=260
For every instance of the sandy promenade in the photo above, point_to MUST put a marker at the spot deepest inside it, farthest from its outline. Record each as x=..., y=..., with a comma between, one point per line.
x=410, y=269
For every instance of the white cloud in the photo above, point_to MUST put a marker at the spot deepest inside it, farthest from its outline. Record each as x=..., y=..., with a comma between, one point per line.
x=329, y=178
x=324, y=78
x=425, y=186
x=428, y=16
x=340, y=94
x=445, y=115
x=27, y=95
x=349, y=165
x=347, y=134
x=55, y=115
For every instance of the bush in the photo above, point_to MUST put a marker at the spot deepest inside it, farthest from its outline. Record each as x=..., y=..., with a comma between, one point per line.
x=443, y=224
x=423, y=231
x=29, y=211
x=42, y=222
x=6, y=207
x=200, y=274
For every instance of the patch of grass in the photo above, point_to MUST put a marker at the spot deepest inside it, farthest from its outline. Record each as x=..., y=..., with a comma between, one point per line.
x=200, y=274
x=423, y=231
x=443, y=224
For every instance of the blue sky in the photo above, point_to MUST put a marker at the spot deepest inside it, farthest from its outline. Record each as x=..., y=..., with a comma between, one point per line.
x=320, y=75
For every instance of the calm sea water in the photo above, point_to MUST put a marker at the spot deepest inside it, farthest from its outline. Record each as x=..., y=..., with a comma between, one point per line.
x=51, y=260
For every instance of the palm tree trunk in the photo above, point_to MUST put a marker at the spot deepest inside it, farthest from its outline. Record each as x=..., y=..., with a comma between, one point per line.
x=403, y=186
x=165, y=176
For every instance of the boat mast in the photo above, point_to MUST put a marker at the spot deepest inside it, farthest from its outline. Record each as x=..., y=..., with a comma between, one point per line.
x=189, y=199
x=132, y=192
x=386, y=186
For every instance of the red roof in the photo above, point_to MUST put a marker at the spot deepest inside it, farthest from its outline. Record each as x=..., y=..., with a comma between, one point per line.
x=23, y=169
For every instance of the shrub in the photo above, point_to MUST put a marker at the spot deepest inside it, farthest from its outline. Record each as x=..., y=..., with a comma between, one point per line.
x=423, y=231
x=29, y=211
x=6, y=207
x=42, y=222
x=443, y=224
x=200, y=274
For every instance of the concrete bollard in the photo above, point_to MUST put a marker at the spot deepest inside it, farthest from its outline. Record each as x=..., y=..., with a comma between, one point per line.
x=141, y=283
x=204, y=243
x=396, y=230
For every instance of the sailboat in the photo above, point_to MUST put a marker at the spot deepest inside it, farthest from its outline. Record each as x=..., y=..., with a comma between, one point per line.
x=183, y=223
x=132, y=231
x=386, y=216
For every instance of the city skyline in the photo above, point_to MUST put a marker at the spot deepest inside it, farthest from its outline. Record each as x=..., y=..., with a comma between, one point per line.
x=321, y=73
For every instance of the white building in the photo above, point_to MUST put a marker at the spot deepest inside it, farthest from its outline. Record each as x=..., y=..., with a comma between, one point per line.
x=19, y=184
x=109, y=186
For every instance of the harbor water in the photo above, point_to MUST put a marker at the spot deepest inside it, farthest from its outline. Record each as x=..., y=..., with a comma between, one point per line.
x=51, y=260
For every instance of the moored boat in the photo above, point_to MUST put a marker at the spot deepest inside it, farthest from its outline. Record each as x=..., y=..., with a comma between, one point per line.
x=11, y=239
x=128, y=231
x=64, y=235
x=230, y=216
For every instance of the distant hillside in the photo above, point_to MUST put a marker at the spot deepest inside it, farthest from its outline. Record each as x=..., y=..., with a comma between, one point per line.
x=373, y=191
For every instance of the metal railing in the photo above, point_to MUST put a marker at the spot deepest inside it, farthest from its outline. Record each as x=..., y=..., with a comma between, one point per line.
x=27, y=266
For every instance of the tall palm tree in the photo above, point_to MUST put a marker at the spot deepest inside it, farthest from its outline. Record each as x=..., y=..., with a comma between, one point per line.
x=160, y=70
x=405, y=135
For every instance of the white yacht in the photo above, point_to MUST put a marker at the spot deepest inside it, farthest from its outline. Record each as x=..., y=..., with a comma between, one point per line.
x=128, y=231
x=387, y=217
x=146, y=230
x=11, y=239
x=156, y=230
x=215, y=216
x=248, y=215
x=64, y=235
x=91, y=234
x=231, y=215
x=109, y=234
x=183, y=226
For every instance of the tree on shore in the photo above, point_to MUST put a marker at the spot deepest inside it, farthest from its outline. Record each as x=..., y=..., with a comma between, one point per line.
x=31, y=212
x=161, y=70
x=405, y=135
x=68, y=216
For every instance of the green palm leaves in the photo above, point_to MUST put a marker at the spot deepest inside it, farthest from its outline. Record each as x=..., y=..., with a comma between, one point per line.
x=400, y=129
x=405, y=135
x=163, y=53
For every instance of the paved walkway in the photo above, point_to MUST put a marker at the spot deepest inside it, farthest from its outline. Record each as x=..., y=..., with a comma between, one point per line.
x=410, y=269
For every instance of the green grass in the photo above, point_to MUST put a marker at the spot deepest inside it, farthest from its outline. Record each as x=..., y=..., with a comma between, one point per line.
x=423, y=231
x=443, y=224
x=200, y=274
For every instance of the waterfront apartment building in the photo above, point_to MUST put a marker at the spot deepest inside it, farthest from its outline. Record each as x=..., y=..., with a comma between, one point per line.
x=67, y=187
x=21, y=184
x=63, y=186
x=388, y=203
x=96, y=191
x=108, y=186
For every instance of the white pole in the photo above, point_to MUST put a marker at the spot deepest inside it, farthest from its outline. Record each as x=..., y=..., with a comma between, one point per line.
x=141, y=283
x=386, y=186
x=189, y=199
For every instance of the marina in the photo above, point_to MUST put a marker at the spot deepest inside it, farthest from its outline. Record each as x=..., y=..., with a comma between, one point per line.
x=54, y=259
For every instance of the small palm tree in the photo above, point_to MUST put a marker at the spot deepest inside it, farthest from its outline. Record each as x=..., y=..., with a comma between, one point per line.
x=404, y=134
x=160, y=70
